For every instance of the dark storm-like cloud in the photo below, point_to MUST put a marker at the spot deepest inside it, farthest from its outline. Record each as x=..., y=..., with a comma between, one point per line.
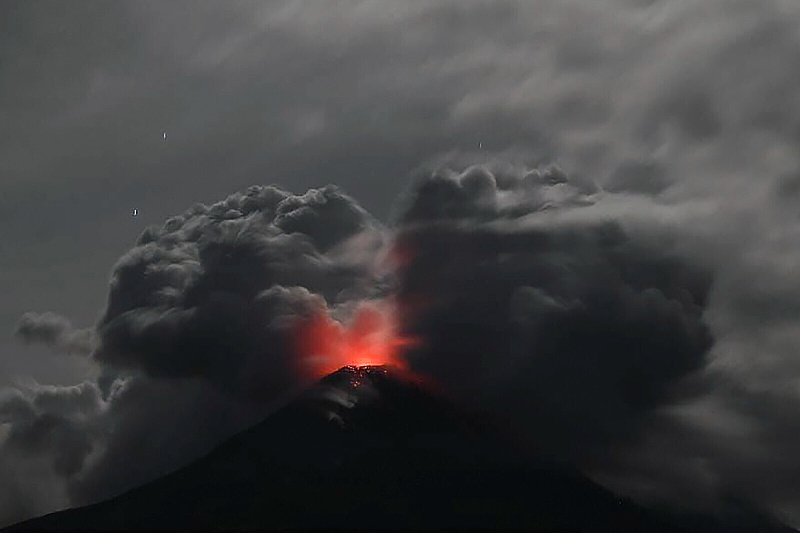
x=195, y=342
x=54, y=330
x=210, y=293
x=651, y=340
x=666, y=99
x=577, y=313
x=574, y=326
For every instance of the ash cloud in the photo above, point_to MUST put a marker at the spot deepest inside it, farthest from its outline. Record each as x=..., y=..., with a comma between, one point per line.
x=684, y=112
x=55, y=331
x=646, y=338
x=47, y=434
x=545, y=306
x=593, y=320
x=207, y=294
x=194, y=343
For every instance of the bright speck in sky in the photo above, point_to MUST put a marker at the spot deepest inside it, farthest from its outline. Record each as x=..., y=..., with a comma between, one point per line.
x=165, y=135
x=135, y=212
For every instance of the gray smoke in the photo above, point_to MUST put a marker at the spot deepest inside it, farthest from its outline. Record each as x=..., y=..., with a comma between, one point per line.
x=55, y=331
x=194, y=343
x=654, y=313
x=539, y=302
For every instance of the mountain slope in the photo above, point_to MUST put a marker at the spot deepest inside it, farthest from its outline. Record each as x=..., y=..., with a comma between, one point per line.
x=367, y=448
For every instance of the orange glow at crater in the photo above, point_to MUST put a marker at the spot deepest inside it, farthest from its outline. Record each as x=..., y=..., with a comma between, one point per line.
x=324, y=345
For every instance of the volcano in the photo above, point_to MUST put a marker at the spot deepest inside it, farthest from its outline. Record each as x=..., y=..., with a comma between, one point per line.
x=375, y=448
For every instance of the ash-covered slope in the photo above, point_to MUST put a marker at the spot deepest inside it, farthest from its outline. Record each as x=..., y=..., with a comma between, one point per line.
x=368, y=448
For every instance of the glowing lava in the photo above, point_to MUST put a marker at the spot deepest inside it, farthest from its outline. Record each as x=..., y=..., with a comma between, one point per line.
x=369, y=339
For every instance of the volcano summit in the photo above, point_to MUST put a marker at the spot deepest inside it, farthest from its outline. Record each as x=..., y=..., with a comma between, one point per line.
x=375, y=448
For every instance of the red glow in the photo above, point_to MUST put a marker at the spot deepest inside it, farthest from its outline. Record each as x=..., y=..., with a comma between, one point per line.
x=324, y=345
x=400, y=255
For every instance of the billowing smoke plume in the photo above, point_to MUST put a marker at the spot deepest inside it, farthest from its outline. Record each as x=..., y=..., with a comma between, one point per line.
x=623, y=330
x=536, y=300
x=212, y=293
x=585, y=317
x=644, y=327
x=196, y=342
x=48, y=433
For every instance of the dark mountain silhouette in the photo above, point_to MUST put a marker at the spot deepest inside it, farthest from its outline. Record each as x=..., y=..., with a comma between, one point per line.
x=372, y=448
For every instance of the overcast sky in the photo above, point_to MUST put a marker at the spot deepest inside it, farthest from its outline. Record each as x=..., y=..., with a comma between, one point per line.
x=685, y=113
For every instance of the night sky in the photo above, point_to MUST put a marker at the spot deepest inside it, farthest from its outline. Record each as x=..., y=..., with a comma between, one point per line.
x=583, y=213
